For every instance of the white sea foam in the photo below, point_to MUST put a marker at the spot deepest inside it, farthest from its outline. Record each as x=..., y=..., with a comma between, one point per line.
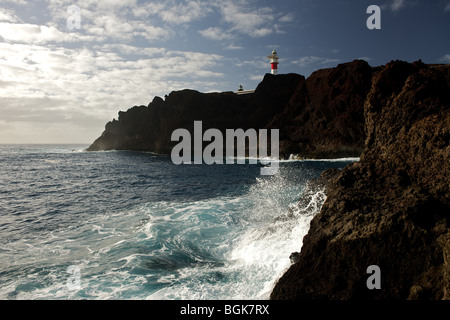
x=236, y=249
x=293, y=158
x=258, y=252
x=189, y=245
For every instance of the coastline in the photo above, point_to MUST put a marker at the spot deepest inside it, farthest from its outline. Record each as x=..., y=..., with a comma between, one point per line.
x=390, y=209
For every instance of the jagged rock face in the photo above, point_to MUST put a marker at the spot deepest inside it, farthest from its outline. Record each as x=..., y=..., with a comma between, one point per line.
x=324, y=117
x=150, y=128
x=391, y=209
x=318, y=117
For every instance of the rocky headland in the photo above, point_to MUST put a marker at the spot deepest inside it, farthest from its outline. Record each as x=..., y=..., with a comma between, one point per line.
x=390, y=209
x=318, y=117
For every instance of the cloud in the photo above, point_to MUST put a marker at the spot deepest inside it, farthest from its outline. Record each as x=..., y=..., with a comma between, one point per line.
x=101, y=29
x=445, y=58
x=8, y=16
x=131, y=50
x=242, y=18
x=314, y=61
x=111, y=20
x=249, y=21
x=52, y=83
x=114, y=4
x=185, y=12
x=37, y=34
x=215, y=33
x=116, y=28
x=160, y=20
x=258, y=63
x=447, y=7
x=287, y=18
x=233, y=47
x=396, y=5
x=148, y=9
x=18, y=2
x=256, y=77
x=121, y=56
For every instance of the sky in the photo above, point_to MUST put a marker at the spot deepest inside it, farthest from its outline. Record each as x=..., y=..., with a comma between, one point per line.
x=68, y=67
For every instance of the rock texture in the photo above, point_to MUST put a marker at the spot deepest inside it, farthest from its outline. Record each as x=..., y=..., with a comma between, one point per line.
x=390, y=209
x=321, y=116
x=150, y=128
x=324, y=117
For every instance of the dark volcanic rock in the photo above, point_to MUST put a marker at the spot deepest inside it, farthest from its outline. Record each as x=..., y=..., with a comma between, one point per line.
x=324, y=117
x=391, y=209
x=318, y=117
x=150, y=128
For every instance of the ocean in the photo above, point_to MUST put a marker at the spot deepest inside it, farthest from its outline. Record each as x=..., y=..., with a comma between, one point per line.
x=133, y=225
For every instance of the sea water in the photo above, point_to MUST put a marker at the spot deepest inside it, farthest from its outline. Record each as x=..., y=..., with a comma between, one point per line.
x=136, y=226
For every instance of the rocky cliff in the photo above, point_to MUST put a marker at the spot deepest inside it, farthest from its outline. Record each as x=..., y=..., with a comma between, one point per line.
x=390, y=209
x=324, y=117
x=321, y=116
x=149, y=128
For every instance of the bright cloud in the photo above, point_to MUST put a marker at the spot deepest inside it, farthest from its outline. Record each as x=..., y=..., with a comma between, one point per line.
x=445, y=58
x=242, y=19
x=37, y=34
x=8, y=15
x=179, y=13
x=314, y=61
x=255, y=23
x=215, y=33
x=87, y=87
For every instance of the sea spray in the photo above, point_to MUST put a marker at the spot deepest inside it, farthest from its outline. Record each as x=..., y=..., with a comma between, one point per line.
x=262, y=238
x=263, y=251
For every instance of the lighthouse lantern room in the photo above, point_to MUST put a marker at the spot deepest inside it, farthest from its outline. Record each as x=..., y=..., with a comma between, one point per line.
x=273, y=62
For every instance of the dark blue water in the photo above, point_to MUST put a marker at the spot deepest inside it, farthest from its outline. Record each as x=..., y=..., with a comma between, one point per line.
x=136, y=226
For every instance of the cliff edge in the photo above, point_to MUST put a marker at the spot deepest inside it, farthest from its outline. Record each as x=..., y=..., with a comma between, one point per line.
x=390, y=209
x=318, y=117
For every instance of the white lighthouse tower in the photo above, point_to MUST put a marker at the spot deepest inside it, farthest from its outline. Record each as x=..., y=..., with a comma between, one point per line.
x=273, y=62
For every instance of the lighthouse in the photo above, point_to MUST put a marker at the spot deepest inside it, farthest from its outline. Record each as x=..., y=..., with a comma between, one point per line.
x=273, y=62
